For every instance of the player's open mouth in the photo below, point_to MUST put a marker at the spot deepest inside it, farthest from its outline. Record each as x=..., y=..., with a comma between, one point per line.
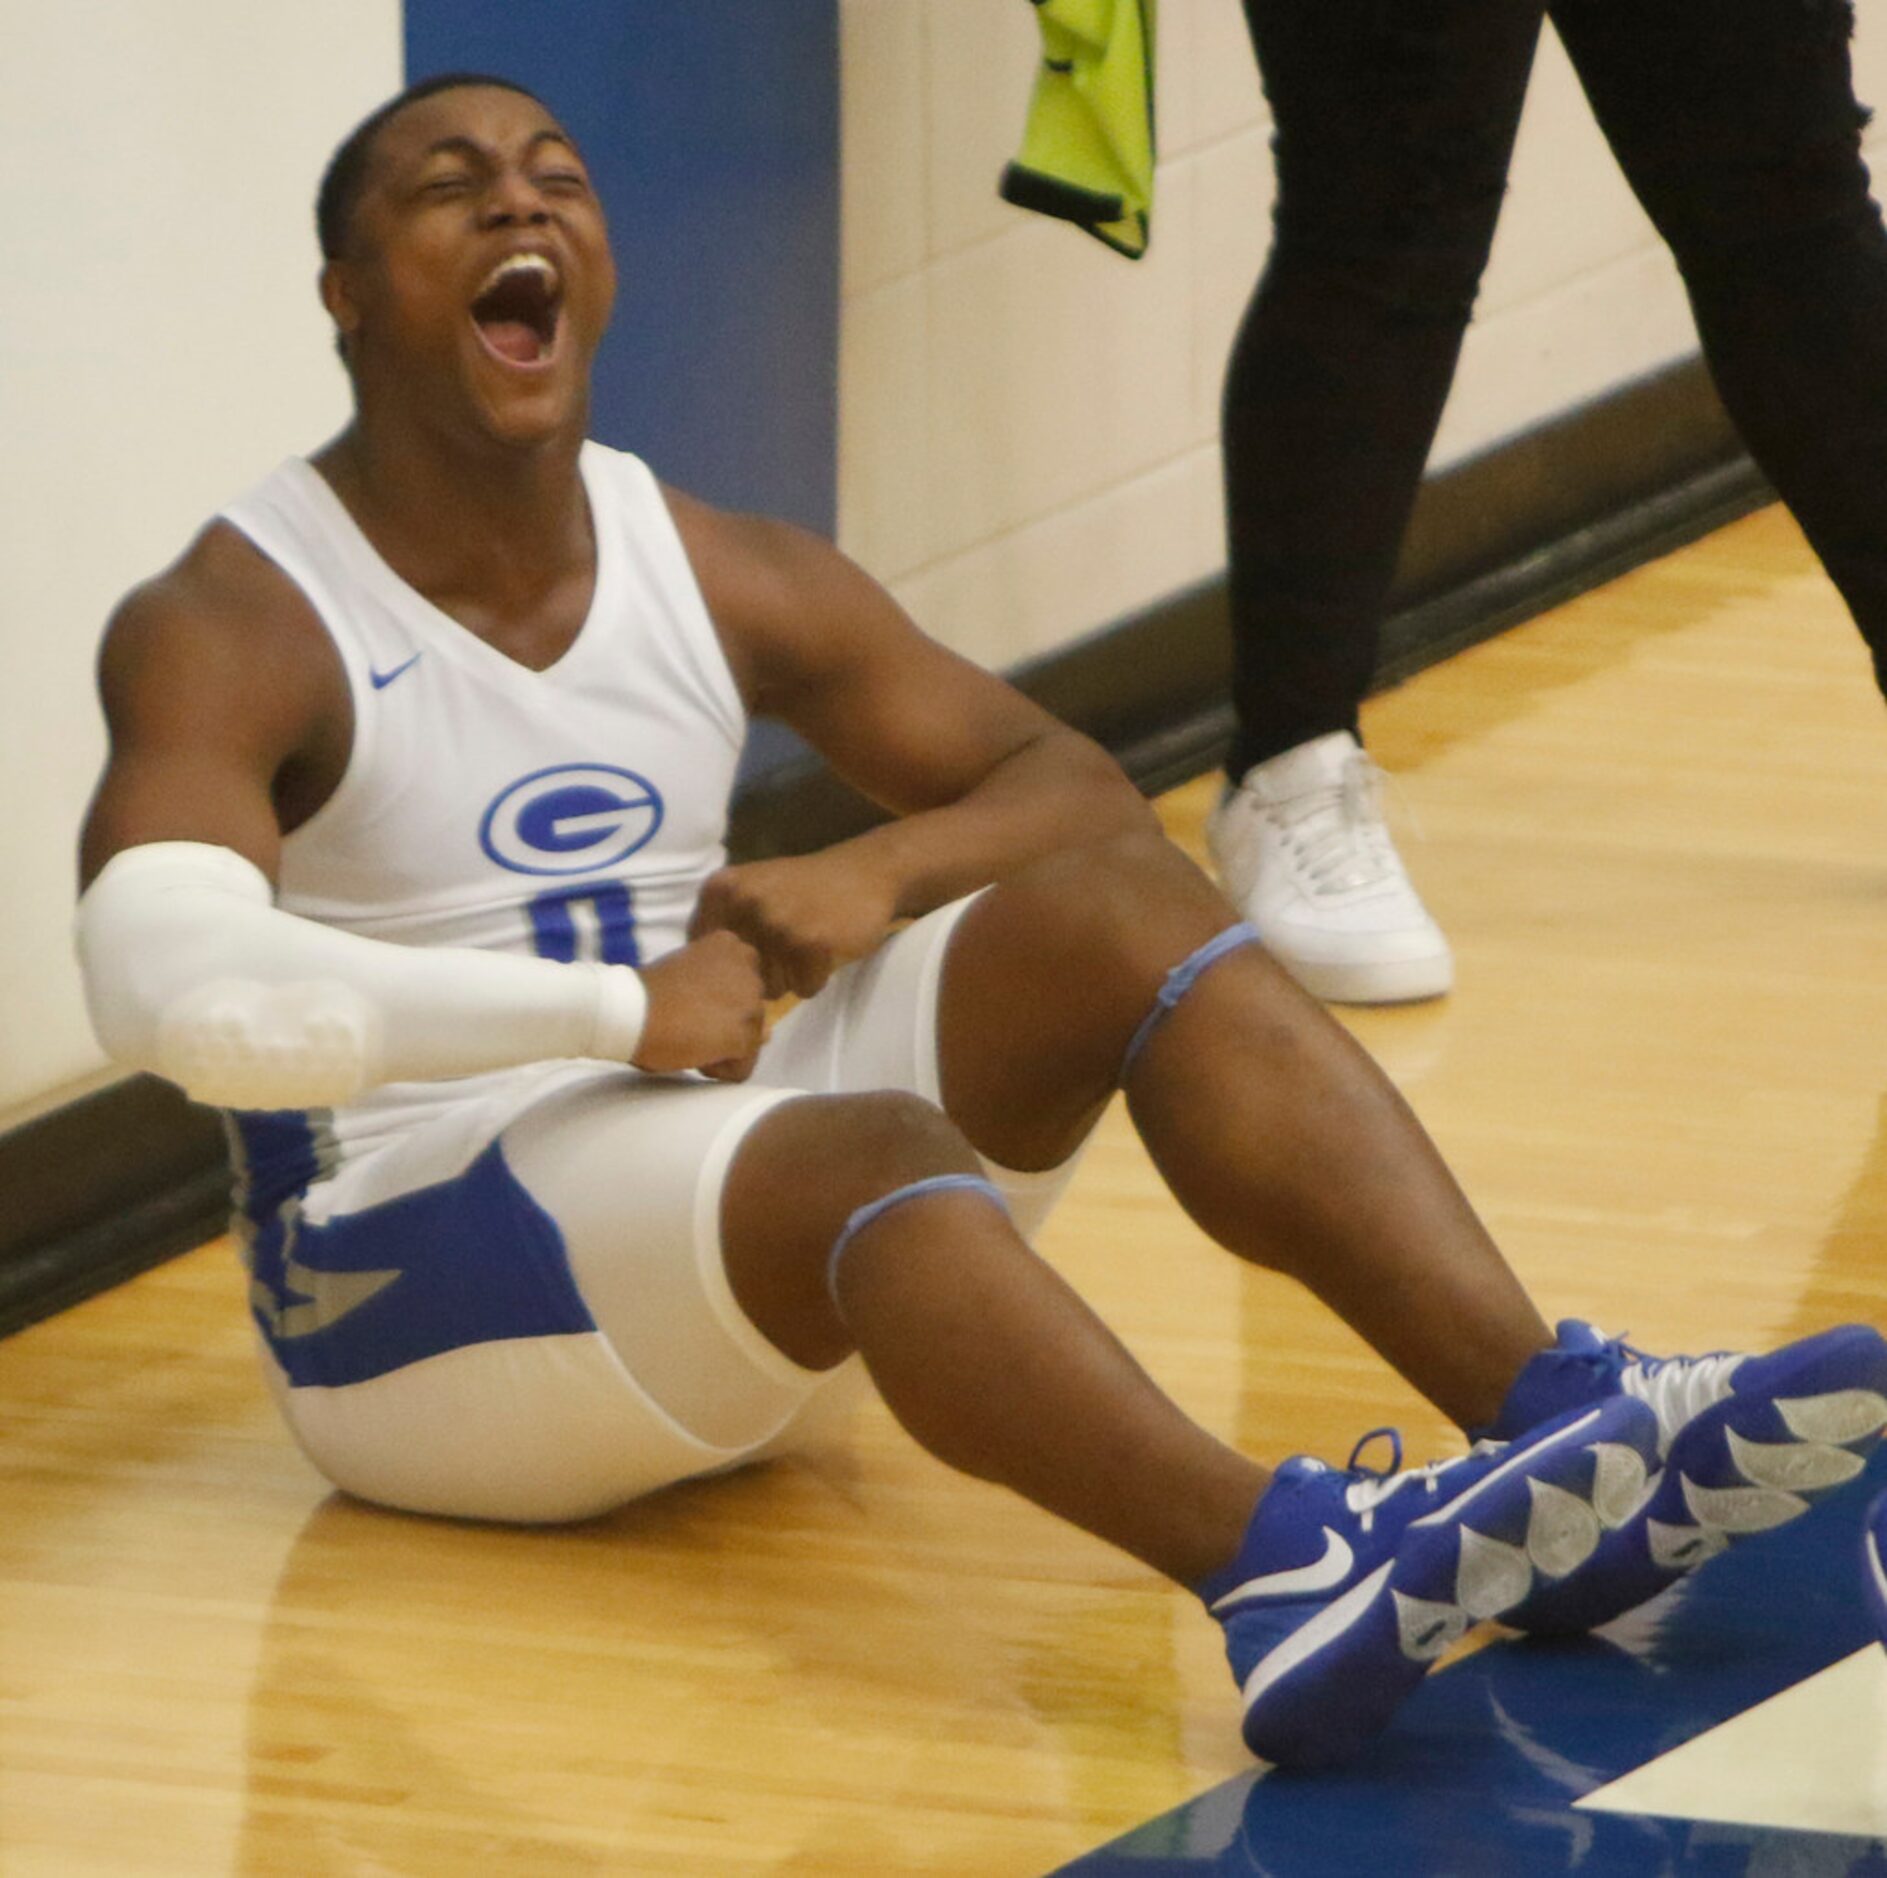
x=519, y=310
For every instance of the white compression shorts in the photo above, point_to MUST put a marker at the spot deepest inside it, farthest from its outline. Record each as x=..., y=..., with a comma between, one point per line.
x=521, y=1313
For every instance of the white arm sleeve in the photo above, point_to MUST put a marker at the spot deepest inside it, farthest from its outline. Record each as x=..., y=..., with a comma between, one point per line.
x=191, y=970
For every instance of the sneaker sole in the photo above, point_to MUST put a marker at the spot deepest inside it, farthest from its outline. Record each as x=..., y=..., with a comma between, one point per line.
x=1753, y=1462
x=1333, y=1684
x=1376, y=981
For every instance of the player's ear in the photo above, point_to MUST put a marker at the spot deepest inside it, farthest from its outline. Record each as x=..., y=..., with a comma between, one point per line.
x=337, y=296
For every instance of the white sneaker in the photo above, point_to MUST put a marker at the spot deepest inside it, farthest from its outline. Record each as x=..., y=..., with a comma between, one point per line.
x=1301, y=847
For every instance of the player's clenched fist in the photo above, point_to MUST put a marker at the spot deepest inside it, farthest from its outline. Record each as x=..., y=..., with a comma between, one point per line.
x=705, y=1009
x=806, y=916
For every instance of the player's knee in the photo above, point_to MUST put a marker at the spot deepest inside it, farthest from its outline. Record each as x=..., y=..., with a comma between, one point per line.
x=1109, y=896
x=888, y=1139
x=802, y=1178
x=1112, y=864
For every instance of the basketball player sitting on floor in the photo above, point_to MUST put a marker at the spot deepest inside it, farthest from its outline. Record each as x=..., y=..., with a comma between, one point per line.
x=409, y=853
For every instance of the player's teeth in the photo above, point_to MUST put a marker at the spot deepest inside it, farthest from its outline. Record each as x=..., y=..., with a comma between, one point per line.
x=520, y=264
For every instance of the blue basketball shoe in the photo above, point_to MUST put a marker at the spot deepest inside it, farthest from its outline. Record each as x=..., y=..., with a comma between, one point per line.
x=1351, y=1582
x=1874, y=1565
x=1745, y=1443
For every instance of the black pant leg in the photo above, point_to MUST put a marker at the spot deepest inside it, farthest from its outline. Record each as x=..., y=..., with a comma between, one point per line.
x=1395, y=122
x=1736, y=122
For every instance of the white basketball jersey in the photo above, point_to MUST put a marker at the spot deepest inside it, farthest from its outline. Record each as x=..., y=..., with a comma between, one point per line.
x=570, y=813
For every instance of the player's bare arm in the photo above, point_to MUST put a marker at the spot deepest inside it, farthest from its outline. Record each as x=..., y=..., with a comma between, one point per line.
x=981, y=779
x=227, y=711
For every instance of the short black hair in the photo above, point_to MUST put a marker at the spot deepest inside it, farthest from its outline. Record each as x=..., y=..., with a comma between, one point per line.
x=346, y=173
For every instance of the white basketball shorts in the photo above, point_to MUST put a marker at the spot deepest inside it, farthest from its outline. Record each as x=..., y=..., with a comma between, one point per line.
x=516, y=1309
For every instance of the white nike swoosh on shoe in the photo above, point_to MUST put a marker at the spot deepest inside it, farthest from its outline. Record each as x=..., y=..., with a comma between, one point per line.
x=1323, y=1574
x=1310, y=1636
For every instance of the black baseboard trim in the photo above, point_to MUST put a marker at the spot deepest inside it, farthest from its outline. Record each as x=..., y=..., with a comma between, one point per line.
x=133, y=1174
x=100, y=1190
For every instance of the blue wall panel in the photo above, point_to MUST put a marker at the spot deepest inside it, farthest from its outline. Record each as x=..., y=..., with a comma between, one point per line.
x=712, y=130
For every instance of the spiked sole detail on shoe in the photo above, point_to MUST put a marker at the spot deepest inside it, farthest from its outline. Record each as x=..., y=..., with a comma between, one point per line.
x=1728, y=1476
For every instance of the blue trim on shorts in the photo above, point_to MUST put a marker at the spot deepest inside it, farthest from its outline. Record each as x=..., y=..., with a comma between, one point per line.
x=469, y=1260
x=276, y=1157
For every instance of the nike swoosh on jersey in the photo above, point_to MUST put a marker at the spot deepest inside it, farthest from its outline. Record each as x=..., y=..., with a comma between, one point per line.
x=1323, y=1574
x=381, y=680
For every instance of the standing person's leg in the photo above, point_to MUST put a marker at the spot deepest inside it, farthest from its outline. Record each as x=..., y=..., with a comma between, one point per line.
x=1738, y=128
x=1394, y=125
x=1395, y=122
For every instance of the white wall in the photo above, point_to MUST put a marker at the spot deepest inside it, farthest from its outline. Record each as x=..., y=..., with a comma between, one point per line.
x=160, y=346
x=1028, y=423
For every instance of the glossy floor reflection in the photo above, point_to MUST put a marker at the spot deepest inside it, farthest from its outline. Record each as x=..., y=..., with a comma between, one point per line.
x=1520, y=1758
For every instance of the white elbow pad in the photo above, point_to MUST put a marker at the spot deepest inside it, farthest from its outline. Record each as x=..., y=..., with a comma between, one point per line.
x=191, y=970
x=244, y=1045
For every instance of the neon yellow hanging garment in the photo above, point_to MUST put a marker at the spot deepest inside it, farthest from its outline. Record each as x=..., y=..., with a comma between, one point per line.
x=1088, y=148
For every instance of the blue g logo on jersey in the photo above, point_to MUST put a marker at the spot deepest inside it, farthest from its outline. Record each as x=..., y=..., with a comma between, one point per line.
x=575, y=819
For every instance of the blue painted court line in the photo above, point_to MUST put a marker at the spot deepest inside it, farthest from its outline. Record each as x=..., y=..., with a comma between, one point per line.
x=1479, y=1772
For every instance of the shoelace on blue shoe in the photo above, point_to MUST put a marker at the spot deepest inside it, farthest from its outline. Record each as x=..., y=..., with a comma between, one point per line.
x=1614, y=1356
x=1354, y=1465
x=1370, y=1486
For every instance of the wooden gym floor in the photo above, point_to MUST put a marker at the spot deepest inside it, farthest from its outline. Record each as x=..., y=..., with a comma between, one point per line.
x=1653, y=823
